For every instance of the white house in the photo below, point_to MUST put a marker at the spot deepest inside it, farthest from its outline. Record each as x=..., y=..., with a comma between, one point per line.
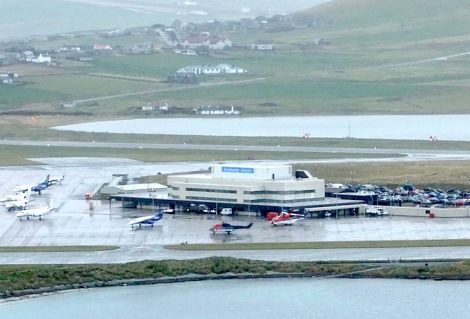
x=39, y=59
x=102, y=47
x=211, y=69
x=213, y=43
x=262, y=46
x=209, y=110
x=219, y=44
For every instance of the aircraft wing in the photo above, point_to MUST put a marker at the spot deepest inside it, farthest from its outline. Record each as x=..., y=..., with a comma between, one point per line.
x=140, y=220
x=15, y=204
x=35, y=212
x=22, y=188
x=24, y=213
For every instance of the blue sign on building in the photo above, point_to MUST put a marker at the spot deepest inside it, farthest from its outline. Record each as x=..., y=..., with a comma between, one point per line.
x=246, y=170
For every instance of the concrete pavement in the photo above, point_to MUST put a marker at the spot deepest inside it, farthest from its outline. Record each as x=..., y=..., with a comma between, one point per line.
x=74, y=223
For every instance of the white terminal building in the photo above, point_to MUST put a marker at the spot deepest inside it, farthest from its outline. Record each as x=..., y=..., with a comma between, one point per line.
x=253, y=187
x=265, y=184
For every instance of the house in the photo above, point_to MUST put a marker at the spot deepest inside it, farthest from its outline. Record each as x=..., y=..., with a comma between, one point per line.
x=163, y=108
x=203, y=40
x=262, y=46
x=70, y=48
x=27, y=56
x=6, y=81
x=76, y=56
x=102, y=47
x=211, y=69
x=215, y=110
x=8, y=78
x=219, y=44
x=39, y=59
x=9, y=75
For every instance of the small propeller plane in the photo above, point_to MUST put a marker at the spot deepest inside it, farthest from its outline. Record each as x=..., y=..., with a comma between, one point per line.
x=56, y=179
x=146, y=220
x=12, y=206
x=41, y=186
x=35, y=188
x=19, y=196
x=286, y=219
x=227, y=228
x=35, y=212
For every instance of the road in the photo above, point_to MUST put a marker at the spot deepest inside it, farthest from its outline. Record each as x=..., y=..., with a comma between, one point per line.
x=409, y=154
x=137, y=253
x=437, y=59
x=166, y=89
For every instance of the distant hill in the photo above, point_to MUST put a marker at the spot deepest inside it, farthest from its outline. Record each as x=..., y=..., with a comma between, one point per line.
x=422, y=18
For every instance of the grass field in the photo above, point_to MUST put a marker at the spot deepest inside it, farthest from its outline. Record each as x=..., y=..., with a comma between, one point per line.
x=365, y=69
x=18, y=155
x=323, y=245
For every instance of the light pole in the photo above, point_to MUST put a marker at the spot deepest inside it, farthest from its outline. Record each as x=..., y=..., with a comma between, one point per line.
x=352, y=176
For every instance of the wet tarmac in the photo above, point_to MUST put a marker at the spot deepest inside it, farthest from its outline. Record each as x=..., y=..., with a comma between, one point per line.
x=75, y=223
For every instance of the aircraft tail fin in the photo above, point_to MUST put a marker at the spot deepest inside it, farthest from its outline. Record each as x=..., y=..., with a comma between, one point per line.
x=241, y=226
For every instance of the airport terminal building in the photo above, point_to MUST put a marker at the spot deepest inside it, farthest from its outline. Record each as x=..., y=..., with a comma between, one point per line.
x=254, y=188
x=265, y=184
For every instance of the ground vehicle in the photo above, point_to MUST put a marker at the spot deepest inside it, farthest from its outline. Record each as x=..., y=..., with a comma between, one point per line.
x=376, y=211
x=199, y=209
x=226, y=211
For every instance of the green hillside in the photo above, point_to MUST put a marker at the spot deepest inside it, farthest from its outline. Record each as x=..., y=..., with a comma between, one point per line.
x=395, y=20
x=378, y=57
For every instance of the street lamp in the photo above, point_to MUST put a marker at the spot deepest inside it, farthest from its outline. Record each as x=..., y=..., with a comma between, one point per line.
x=352, y=176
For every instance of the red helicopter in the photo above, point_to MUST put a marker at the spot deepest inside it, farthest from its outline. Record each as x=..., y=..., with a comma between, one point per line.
x=284, y=218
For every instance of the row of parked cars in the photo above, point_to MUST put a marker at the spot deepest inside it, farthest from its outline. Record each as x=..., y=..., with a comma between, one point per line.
x=204, y=209
x=408, y=193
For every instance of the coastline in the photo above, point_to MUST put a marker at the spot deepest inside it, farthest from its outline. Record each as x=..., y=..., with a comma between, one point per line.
x=45, y=291
x=360, y=274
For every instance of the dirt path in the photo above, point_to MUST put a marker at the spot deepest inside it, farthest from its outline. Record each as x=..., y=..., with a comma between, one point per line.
x=165, y=89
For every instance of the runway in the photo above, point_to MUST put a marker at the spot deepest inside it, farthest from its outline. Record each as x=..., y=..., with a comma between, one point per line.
x=408, y=154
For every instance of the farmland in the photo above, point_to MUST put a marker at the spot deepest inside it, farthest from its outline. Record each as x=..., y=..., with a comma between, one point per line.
x=366, y=68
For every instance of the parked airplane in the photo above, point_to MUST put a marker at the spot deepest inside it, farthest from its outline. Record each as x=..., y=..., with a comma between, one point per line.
x=36, y=188
x=35, y=212
x=146, y=220
x=16, y=197
x=16, y=205
x=285, y=219
x=227, y=228
x=22, y=188
x=41, y=186
x=56, y=179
